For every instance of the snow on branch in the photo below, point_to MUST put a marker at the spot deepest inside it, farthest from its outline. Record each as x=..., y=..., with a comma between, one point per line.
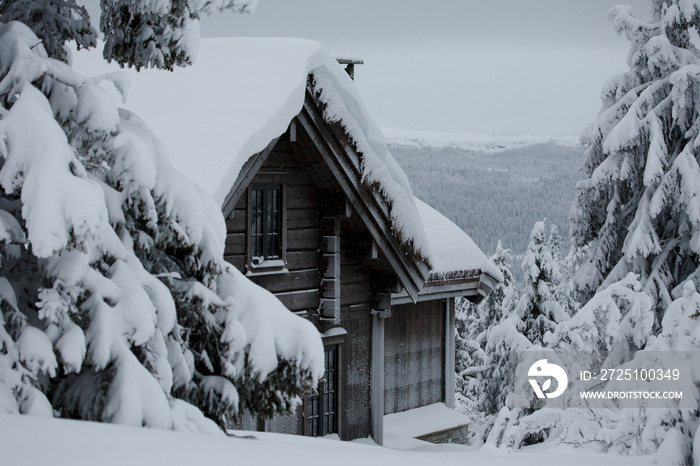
x=121, y=296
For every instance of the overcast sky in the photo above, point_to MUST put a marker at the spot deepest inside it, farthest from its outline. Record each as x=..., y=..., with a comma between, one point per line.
x=504, y=67
x=507, y=66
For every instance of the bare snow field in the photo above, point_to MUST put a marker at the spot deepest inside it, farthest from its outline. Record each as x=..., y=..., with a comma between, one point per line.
x=81, y=443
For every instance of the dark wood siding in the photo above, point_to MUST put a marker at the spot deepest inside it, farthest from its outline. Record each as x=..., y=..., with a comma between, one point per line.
x=355, y=407
x=298, y=288
x=312, y=196
x=414, y=364
x=355, y=285
x=285, y=424
x=356, y=279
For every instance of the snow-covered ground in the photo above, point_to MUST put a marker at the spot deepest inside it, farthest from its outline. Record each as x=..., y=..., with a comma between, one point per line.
x=469, y=141
x=29, y=441
x=424, y=420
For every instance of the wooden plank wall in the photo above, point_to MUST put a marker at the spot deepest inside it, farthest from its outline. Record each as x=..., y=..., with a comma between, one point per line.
x=356, y=292
x=298, y=289
x=414, y=364
x=356, y=299
x=356, y=370
x=287, y=423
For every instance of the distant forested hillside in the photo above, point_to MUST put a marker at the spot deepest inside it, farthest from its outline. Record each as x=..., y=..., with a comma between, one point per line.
x=498, y=195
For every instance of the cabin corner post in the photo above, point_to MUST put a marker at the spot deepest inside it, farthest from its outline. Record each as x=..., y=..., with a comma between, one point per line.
x=330, y=269
x=381, y=311
x=450, y=386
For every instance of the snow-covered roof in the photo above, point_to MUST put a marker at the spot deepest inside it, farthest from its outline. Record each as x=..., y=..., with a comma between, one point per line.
x=243, y=92
x=240, y=94
x=453, y=251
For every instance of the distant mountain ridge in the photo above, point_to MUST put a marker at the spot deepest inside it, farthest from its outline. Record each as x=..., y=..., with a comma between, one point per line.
x=473, y=142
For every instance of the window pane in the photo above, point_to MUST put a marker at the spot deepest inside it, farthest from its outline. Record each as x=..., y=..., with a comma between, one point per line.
x=266, y=222
x=321, y=409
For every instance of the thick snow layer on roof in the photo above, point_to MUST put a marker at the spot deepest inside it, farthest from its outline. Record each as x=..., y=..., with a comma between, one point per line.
x=241, y=94
x=453, y=251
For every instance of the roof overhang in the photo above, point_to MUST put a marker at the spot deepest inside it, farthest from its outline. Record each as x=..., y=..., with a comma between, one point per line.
x=345, y=164
x=474, y=286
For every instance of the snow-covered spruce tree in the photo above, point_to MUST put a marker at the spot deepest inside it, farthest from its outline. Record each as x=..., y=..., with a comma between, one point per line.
x=488, y=386
x=554, y=241
x=116, y=302
x=473, y=324
x=670, y=431
x=505, y=346
x=563, y=290
x=566, y=292
x=676, y=430
x=615, y=323
x=538, y=312
x=604, y=333
x=139, y=33
x=519, y=337
x=502, y=300
x=470, y=359
x=639, y=208
x=54, y=21
x=154, y=33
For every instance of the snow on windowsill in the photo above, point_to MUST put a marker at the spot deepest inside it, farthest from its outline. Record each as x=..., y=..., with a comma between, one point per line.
x=423, y=420
x=270, y=267
x=334, y=332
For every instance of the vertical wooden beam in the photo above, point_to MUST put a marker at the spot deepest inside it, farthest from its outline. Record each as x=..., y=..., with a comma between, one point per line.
x=330, y=269
x=450, y=352
x=382, y=311
x=377, y=380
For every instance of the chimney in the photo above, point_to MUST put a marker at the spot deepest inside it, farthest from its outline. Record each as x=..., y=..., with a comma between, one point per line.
x=350, y=63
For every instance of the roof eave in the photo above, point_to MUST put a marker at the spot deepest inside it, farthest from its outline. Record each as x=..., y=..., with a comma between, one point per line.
x=246, y=175
x=475, y=285
x=345, y=164
x=486, y=285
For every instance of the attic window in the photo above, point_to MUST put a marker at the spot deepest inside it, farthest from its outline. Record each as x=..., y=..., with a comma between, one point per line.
x=266, y=232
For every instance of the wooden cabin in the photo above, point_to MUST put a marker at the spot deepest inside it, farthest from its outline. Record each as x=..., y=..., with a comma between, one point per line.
x=302, y=224
x=319, y=213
